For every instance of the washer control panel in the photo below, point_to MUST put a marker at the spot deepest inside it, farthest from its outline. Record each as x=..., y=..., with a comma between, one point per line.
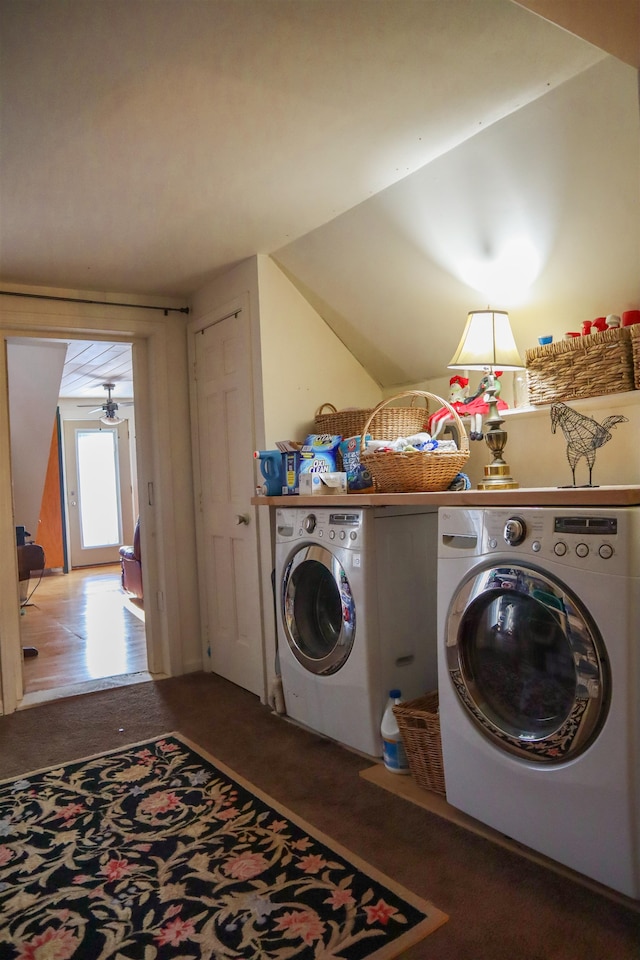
x=514, y=530
x=340, y=527
x=595, y=539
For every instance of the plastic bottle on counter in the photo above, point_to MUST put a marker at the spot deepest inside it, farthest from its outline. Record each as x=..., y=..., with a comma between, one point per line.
x=393, y=752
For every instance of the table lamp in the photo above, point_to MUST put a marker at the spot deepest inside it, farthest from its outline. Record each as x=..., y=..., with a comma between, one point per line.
x=487, y=344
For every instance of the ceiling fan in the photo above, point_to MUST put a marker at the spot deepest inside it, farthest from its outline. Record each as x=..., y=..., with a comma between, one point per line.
x=109, y=409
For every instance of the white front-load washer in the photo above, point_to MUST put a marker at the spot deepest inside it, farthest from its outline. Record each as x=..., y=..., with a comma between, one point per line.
x=539, y=680
x=356, y=615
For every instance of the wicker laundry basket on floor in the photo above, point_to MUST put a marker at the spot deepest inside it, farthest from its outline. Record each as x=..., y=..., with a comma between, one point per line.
x=419, y=725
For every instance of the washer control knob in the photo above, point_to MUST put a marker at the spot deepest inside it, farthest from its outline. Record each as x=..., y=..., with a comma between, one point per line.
x=343, y=535
x=332, y=534
x=536, y=546
x=309, y=523
x=514, y=531
x=582, y=550
x=353, y=535
x=606, y=551
x=560, y=548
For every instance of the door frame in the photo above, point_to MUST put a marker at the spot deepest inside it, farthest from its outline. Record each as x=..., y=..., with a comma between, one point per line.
x=167, y=525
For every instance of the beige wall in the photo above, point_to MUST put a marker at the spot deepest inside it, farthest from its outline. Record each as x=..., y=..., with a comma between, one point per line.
x=538, y=458
x=304, y=364
x=35, y=369
x=614, y=26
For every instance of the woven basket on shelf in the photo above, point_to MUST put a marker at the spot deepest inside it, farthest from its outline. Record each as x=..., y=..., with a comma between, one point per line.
x=389, y=423
x=634, y=335
x=415, y=472
x=590, y=366
x=419, y=726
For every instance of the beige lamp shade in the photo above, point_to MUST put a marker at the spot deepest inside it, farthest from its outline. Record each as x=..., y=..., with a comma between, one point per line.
x=487, y=341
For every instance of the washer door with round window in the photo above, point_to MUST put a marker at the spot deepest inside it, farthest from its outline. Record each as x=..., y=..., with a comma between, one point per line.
x=318, y=611
x=527, y=663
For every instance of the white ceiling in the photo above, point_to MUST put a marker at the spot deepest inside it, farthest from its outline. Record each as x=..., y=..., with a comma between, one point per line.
x=89, y=365
x=150, y=144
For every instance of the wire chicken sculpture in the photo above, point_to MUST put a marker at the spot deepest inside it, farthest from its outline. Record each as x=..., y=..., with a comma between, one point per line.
x=583, y=435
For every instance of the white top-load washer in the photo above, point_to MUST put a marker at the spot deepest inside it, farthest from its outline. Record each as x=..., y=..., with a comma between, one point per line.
x=356, y=615
x=539, y=680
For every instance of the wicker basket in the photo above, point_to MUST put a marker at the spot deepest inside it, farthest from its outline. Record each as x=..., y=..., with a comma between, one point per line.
x=419, y=726
x=390, y=422
x=590, y=366
x=415, y=472
x=634, y=335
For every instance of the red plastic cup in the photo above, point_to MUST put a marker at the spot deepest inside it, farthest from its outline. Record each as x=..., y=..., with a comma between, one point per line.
x=629, y=317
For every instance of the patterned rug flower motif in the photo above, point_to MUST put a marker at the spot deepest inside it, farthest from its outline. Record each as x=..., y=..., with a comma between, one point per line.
x=155, y=851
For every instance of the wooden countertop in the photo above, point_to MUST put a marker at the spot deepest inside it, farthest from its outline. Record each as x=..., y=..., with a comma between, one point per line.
x=613, y=496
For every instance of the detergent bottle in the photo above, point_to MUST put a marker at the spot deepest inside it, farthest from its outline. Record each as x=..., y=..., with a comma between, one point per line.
x=271, y=469
x=393, y=752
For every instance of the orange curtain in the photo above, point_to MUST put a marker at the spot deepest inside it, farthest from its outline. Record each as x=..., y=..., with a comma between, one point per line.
x=50, y=534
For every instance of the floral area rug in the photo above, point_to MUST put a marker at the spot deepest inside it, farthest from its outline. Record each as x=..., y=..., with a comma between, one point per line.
x=158, y=851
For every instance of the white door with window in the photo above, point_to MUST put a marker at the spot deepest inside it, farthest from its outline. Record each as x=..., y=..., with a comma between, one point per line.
x=98, y=490
x=228, y=547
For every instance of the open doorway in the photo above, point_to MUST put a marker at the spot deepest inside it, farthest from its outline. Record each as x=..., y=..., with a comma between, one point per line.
x=98, y=490
x=79, y=627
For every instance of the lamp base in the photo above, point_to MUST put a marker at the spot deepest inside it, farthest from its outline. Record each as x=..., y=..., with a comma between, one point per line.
x=497, y=477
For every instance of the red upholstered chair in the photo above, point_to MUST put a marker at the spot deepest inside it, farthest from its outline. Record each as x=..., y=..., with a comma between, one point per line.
x=131, y=561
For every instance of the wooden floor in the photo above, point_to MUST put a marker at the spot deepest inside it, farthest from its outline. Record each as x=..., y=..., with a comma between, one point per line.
x=84, y=628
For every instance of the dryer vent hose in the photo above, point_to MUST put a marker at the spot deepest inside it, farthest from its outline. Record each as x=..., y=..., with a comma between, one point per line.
x=276, y=697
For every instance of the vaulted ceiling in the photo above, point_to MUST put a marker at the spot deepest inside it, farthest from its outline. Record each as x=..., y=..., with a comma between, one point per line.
x=148, y=146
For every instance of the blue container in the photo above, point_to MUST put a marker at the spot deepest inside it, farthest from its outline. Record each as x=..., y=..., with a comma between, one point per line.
x=290, y=473
x=271, y=470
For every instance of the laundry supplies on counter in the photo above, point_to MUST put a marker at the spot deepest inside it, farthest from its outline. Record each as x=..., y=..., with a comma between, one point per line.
x=319, y=453
x=421, y=442
x=290, y=473
x=323, y=484
x=271, y=470
x=359, y=480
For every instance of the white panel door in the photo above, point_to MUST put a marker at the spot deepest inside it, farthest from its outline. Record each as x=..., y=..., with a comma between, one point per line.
x=229, y=549
x=98, y=490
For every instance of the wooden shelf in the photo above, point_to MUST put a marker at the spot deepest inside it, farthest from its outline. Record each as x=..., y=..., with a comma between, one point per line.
x=606, y=496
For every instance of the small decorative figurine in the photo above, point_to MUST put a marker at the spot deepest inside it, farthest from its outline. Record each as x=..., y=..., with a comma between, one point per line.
x=583, y=435
x=474, y=407
x=458, y=389
x=478, y=405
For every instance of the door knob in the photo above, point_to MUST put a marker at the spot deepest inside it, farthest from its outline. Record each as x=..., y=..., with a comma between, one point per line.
x=243, y=518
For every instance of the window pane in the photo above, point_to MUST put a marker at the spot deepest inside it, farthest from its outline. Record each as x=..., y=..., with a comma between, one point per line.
x=98, y=488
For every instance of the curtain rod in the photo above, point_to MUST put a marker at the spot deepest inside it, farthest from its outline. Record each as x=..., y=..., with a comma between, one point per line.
x=102, y=303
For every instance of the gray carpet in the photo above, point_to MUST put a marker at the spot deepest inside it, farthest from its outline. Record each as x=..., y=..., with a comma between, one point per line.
x=501, y=906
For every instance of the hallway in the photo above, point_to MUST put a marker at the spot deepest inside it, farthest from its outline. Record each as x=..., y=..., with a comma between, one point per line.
x=84, y=628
